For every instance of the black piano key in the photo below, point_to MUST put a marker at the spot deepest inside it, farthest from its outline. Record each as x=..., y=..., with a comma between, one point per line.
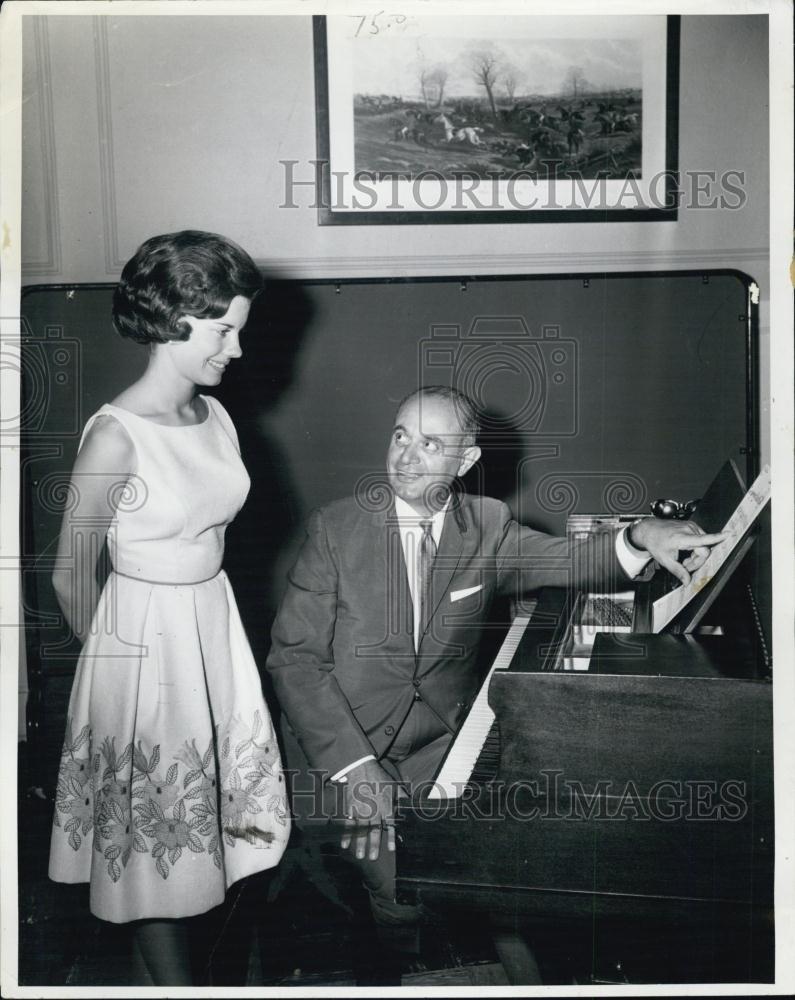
x=488, y=761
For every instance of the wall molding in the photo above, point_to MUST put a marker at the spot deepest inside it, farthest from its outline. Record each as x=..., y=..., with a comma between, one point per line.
x=514, y=263
x=51, y=264
x=114, y=262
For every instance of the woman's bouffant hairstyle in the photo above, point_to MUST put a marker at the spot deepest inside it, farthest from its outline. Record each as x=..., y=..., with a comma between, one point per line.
x=190, y=273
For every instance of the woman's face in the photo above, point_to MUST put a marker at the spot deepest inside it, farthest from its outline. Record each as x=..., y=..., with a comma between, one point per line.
x=212, y=344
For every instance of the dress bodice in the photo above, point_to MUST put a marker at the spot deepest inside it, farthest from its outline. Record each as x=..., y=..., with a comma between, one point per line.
x=188, y=485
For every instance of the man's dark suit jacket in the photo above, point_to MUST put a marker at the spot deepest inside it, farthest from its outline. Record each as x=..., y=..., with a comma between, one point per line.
x=342, y=661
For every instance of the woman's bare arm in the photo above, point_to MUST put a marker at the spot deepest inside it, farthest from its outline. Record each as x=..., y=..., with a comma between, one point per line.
x=101, y=469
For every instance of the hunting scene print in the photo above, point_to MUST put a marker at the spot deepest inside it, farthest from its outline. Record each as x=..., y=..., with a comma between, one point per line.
x=550, y=108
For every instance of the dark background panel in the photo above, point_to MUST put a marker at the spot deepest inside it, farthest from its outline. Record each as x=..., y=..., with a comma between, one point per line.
x=601, y=393
x=634, y=380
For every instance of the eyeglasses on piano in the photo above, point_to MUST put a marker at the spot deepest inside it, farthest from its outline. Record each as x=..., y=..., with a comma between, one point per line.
x=673, y=508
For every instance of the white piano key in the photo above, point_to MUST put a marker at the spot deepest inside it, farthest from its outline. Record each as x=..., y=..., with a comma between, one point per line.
x=463, y=754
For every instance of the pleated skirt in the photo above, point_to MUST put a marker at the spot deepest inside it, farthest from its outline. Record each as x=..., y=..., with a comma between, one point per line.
x=170, y=786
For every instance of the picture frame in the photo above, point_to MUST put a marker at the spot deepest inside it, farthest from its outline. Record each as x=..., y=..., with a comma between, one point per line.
x=477, y=119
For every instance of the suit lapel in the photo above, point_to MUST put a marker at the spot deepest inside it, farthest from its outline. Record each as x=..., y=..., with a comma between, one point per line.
x=398, y=594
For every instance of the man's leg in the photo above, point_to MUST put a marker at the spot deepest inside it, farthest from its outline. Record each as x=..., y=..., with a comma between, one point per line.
x=397, y=924
x=412, y=763
x=414, y=758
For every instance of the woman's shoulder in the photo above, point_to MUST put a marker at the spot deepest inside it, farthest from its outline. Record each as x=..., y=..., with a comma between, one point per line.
x=214, y=406
x=218, y=410
x=106, y=440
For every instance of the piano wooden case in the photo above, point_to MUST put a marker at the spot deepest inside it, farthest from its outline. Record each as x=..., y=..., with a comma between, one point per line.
x=642, y=786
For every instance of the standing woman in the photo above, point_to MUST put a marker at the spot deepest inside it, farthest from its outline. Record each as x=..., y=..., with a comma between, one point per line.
x=170, y=786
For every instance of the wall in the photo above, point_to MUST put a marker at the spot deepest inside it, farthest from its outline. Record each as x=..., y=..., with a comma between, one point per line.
x=136, y=125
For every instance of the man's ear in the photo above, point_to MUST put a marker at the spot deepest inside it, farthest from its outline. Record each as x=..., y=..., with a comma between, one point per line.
x=468, y=459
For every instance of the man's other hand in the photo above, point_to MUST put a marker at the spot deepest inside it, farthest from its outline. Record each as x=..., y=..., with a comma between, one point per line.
x=369, y=810
x=666, y=540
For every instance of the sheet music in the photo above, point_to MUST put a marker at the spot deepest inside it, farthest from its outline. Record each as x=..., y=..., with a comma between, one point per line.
x=668, y=607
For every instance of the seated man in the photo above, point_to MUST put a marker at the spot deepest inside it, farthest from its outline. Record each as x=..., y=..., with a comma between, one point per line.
x=374, y=656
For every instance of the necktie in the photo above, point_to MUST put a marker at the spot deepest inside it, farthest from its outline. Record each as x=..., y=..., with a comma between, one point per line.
x=425, y=567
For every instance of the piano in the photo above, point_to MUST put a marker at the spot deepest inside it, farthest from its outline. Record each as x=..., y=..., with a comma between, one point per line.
x=613, y=781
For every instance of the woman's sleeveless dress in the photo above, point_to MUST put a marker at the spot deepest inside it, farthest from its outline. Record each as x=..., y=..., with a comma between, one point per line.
x=170, y=785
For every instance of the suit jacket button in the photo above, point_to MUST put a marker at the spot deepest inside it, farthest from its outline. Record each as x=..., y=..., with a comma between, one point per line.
x=389, y=730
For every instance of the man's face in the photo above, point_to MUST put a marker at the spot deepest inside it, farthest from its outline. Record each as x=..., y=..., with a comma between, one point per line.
x=426, y=452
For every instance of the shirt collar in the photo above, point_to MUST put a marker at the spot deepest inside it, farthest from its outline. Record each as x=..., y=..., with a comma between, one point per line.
x=407, y=515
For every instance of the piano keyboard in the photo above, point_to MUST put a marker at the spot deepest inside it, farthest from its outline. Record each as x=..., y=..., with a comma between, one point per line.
x=488, y=763
x=457, y=767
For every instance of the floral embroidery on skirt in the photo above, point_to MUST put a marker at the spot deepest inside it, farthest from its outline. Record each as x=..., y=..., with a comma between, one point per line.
x=135, y=801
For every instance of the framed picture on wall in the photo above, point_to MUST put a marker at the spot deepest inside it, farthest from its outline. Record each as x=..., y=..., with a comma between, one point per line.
x=529, y=118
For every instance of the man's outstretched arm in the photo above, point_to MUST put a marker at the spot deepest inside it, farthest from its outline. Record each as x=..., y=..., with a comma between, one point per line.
x=528, y=559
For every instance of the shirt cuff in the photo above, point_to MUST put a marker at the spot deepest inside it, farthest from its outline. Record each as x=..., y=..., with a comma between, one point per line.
x=633, y=561
x=340, y=775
